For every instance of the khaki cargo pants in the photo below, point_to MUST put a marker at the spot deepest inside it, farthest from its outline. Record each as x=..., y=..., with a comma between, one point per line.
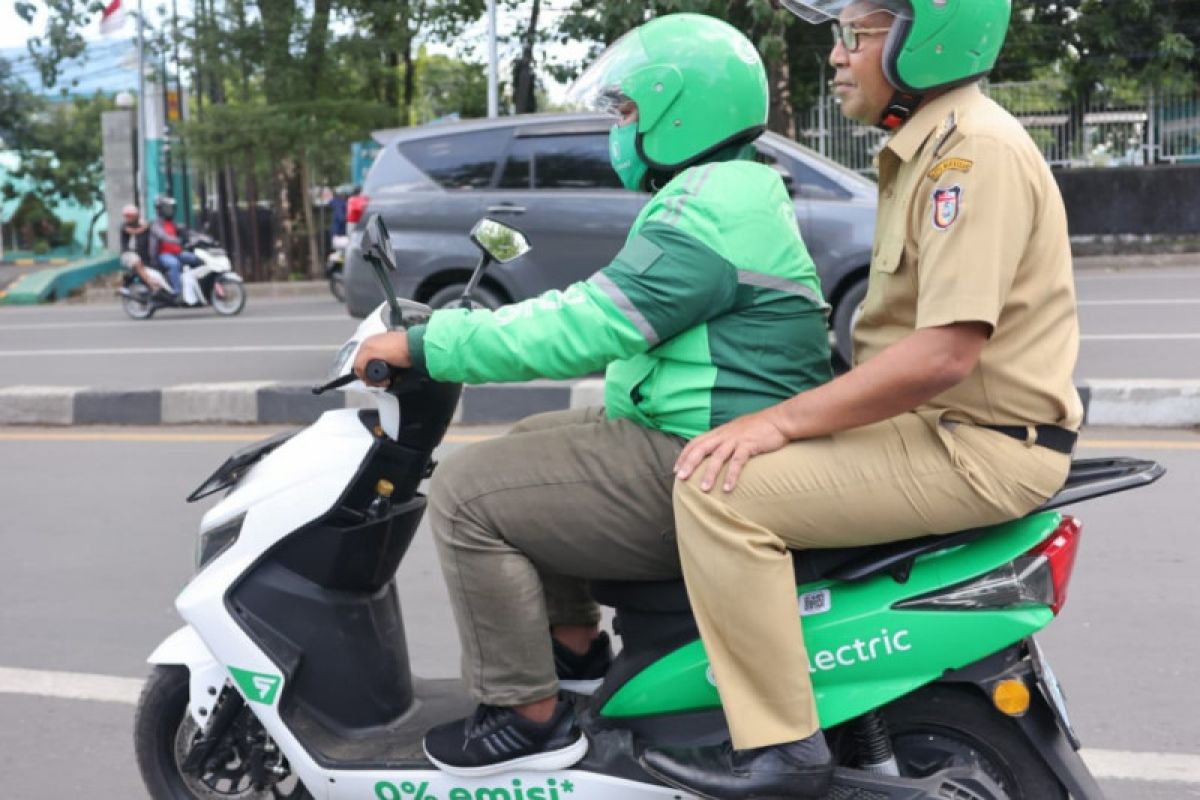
x=522, y=522
x=909, y=476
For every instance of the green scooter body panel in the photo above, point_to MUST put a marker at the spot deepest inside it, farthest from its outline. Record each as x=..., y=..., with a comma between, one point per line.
x=863, y=653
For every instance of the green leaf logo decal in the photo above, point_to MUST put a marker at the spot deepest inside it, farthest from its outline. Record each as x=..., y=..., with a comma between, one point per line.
x=257, y=686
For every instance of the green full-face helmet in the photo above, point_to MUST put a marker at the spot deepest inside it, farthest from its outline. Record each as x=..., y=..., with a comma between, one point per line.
x=934, y=44
x=699, y=85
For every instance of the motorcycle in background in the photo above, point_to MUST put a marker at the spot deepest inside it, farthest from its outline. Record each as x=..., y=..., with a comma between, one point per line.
x=210, y=283
x=335, y=267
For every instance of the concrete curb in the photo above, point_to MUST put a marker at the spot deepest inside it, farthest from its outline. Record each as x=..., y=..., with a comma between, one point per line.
x=259, y=403
x=1117, y=403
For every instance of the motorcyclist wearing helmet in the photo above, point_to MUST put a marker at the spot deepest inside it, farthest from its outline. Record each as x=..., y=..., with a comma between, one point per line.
x=166, y=242
x=713, y=309
x=959, y=411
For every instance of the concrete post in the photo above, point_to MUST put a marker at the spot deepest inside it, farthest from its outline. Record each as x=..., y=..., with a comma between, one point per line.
x=120, y=175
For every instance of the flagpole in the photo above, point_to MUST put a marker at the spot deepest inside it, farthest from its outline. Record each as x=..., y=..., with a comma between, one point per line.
x=141, y=120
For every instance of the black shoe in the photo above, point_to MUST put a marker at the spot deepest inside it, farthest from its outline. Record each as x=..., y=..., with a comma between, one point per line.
x=802, y=769
x=584, y=673
x=496, y=739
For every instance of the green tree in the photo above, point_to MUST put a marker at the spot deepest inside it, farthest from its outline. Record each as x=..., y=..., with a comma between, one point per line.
x=61, y=158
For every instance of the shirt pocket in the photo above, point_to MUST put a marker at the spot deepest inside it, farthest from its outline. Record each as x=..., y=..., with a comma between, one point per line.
x=887, y=257
x=890, y=292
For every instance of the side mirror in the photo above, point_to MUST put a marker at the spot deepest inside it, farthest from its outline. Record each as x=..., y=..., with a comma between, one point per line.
x=498, y=241
x=377, y=245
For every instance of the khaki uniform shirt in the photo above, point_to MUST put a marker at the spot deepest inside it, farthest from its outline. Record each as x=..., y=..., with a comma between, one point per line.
x=972, y=228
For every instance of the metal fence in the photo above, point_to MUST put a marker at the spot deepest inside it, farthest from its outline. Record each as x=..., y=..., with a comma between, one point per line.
x=1153, y=128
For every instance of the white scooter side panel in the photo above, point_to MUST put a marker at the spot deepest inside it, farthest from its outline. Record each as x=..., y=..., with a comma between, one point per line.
x=291, y=486
x=312, y=469
x=206, y=676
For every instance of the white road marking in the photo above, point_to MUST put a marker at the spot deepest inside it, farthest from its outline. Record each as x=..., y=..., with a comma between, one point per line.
x=69, y=685
x=1130, y=766
x=146, y=351
x=1104, y=764
x=1173, y=301
x=1138, y=274
x=1139, y=337
x=207, y=320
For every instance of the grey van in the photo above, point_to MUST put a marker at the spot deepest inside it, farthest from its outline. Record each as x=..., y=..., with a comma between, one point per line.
x=549, y=176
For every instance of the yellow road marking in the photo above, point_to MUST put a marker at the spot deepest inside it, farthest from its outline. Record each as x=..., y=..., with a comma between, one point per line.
x=119, y=436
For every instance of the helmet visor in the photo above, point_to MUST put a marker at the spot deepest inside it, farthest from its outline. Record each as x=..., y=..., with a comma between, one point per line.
x=817, y=12
x=599, y=87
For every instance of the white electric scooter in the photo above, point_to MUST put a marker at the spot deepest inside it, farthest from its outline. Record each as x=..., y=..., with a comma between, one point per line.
x=291, y=678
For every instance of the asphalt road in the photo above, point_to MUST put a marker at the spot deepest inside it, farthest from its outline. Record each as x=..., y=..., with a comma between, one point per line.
x=97, y=541
x=1139, y=323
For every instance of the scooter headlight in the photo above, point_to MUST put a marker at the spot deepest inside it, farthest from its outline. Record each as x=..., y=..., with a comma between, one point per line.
x=216, y=541
x=343, y=358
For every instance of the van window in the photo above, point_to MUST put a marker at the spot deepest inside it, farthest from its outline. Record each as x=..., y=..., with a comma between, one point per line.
x=801, y=179
x=459, y=161
x=574, y=161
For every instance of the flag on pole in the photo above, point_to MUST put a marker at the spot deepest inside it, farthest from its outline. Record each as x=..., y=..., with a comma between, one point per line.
x=113, y=18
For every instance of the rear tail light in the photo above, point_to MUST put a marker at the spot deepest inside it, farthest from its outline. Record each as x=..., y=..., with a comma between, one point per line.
x=356, y=207
x=1039, y=577
x=1060, y=550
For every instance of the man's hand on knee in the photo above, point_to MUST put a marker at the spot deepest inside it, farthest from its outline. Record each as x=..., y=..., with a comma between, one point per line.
x=734, y=443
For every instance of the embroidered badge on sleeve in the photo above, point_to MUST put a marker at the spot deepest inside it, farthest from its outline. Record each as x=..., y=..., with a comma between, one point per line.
x=946, y=203
x=959, y=164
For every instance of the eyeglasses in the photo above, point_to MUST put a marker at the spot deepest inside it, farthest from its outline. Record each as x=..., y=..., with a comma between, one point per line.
x=848, y=35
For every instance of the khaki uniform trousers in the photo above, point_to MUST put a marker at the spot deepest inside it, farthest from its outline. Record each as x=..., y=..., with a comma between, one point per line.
x=523, y=521
x=905, y=477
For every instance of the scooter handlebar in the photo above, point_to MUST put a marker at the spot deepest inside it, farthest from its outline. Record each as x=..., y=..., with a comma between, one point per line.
x=379, y=371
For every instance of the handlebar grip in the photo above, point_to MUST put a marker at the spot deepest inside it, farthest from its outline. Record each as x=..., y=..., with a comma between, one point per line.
x=378, y=371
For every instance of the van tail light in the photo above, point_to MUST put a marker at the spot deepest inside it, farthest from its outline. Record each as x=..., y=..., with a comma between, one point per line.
x=356, y=207
x=1039, y=577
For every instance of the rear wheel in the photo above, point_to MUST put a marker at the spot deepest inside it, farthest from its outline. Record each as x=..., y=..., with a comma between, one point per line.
x=137, y=301
x=449, y=297
x=844, y=317
x=940, y=726
x=337, y=285
x=164, y=733
x=228, y=296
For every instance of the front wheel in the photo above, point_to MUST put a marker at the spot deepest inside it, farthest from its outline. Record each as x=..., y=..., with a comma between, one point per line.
x=939, y=727
x=164, y=733
x=228, y=296
x=137, y=301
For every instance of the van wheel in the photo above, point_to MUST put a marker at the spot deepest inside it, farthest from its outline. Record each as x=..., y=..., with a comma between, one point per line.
x=450, y=296
x=844, y=317
x=941, y=726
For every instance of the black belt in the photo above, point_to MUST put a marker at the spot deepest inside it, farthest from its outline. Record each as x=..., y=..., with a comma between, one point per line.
x=1060, y=440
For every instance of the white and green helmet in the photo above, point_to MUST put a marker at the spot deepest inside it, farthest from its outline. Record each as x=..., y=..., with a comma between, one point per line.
x=699, y=84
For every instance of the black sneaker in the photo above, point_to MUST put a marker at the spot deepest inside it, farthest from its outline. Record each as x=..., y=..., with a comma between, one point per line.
x=583, y=673
x=496, y=739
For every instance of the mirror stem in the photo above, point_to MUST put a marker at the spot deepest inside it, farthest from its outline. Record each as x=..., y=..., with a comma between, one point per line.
x=389, y=294
x=472, y=284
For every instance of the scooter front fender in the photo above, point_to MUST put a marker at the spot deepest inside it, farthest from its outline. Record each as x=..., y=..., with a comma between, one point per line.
x=185, y=648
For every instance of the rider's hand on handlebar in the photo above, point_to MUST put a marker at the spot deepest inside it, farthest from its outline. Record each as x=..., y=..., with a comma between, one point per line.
x=391, y=347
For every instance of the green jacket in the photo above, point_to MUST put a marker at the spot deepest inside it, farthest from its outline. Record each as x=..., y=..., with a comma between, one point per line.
x=712, y=310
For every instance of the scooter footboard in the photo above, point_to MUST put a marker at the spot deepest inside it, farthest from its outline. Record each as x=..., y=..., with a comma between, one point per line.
x=185, y=648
